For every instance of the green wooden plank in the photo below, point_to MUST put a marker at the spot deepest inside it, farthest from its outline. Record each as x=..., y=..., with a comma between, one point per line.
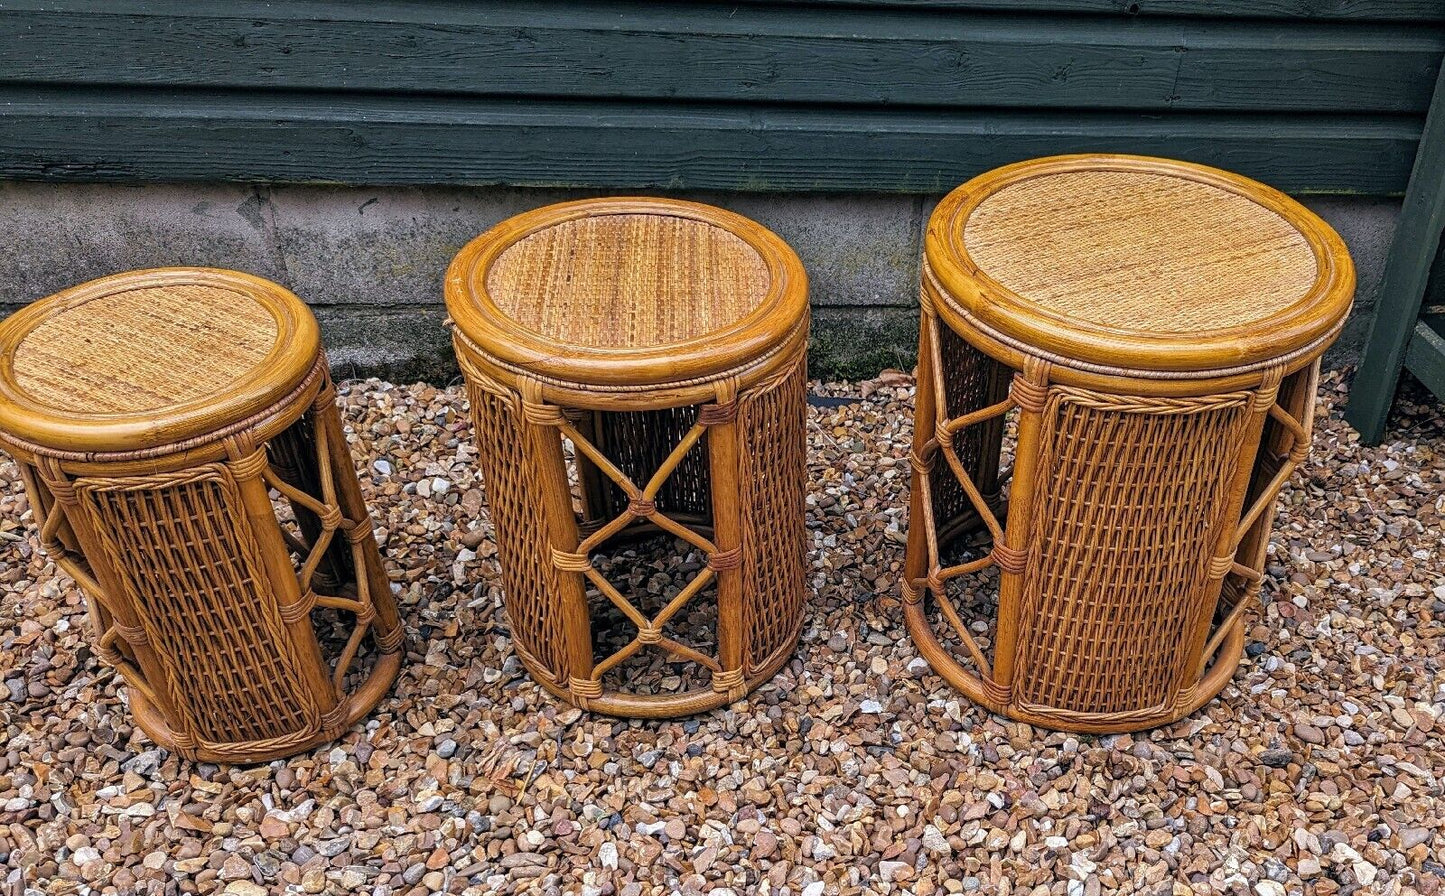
x=1407, y=272
x=1344, y=11
x=629, y=50
x=1347, y=10
x=72, y=135
x=1425, y=355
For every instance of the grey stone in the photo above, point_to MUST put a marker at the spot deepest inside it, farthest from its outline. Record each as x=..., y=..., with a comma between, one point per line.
x=145, y=764
x=371, y=261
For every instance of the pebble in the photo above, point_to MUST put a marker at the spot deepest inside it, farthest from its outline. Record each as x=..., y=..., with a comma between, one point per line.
x=934, y=840
x=893, y=871
x=272, y=827
x=1413, y=837
x=313, y=880
x=855, y=770
x=765, y=845
x=1364, y=872
x=1276, y=758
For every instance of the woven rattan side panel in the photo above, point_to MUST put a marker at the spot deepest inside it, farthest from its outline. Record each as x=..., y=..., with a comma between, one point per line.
x=639, y=441
x=973, y=381
x=774, y=466
x=192, y=571
x=1131, y=495
x=528, y=575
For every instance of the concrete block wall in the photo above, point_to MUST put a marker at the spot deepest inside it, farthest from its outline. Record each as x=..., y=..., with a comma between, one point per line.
x=370, y=261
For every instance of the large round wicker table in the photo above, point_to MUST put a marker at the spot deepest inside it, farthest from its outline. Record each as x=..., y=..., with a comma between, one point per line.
x=154, y=416
x=637, y=366
x=1154, y=330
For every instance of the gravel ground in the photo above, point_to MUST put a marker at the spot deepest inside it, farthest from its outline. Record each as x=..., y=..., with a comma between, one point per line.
x=1319, y=770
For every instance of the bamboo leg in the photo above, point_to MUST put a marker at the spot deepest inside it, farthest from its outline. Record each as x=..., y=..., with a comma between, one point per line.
x=1030, y=390
x=727, y=499
x=389, y=631
x=248, y=464
x=542, y=447
x=916, y=559
x=1225, y=543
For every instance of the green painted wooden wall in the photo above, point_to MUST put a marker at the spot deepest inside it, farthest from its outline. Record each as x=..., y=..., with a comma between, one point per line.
x=827, y=95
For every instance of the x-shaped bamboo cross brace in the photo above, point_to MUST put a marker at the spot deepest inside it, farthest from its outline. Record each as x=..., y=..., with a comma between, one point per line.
x=641, y=506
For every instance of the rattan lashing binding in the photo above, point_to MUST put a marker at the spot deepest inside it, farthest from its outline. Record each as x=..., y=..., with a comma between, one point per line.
x=162, y=512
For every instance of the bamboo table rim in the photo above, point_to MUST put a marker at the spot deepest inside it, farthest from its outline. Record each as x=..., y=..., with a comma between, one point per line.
x=477, y=315
x=284, y=366
x=971, y=290
x=961, y=319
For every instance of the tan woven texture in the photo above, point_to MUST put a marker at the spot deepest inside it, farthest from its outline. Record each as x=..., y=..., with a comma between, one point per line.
x=144, y=349
x=628, y=280
x=1133, y=491
x=1141, y=251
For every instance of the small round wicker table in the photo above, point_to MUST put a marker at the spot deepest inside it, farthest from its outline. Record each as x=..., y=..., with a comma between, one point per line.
x=665, y=342
x=153, y=415
x=1154, y=328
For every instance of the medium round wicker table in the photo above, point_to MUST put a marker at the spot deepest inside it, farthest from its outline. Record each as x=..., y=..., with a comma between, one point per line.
x=153, y=415
x=665, y=343
x=1154, y=328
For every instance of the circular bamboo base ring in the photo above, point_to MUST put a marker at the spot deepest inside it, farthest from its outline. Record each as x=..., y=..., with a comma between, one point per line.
x=666, y=342
x=1155, y=327
x=151, y=414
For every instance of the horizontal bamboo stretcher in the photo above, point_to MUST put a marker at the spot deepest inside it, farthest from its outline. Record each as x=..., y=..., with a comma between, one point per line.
x=183, y=457
x=665, y=343
x=1153, y=329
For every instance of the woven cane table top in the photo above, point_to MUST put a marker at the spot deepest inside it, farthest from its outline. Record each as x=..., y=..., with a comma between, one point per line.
x=626, y=291
x=1140, y=263
x=149, y=357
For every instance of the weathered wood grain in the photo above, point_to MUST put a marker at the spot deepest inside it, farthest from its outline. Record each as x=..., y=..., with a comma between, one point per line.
x=100, y=135
x=1353, y=10
x=629, y=50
